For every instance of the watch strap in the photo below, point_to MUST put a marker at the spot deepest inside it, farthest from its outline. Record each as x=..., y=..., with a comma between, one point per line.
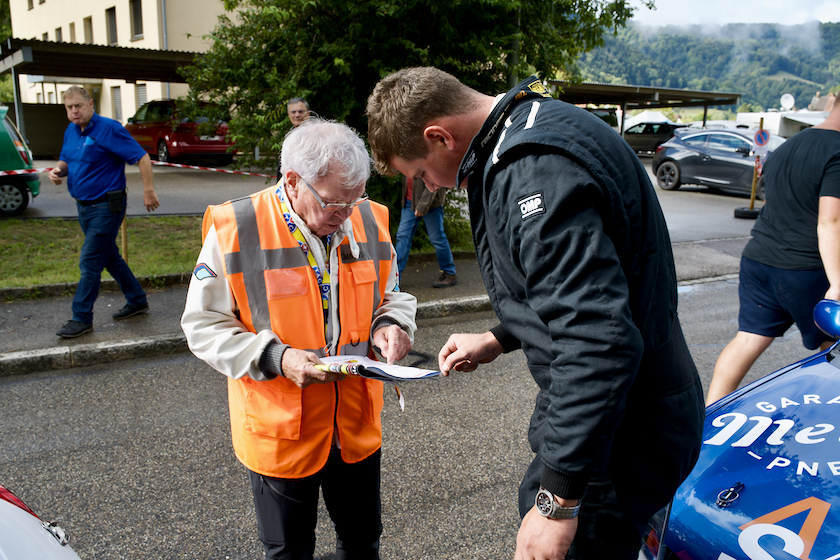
x=548, y=507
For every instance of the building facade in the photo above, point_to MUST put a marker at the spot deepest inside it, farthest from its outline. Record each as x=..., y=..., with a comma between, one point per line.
x=173, y=25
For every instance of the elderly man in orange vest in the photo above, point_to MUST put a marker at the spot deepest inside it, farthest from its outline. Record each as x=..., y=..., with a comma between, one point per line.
x=287, y=275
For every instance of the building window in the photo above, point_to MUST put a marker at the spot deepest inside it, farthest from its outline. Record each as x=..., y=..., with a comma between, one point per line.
x=116, y=100
x=141, y=94
x=30, y=5
x=45, y=37
x=88, y=25
x=50, y=97
x=41, y=1
x=39, y=97
x=59, y=36
x=111, y=23
x=72, y=27
x=136, y=10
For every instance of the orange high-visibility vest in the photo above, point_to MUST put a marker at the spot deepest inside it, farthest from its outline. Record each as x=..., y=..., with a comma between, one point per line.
x=278, y=429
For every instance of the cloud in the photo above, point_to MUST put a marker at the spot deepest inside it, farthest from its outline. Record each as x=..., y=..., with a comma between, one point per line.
x=689, y=12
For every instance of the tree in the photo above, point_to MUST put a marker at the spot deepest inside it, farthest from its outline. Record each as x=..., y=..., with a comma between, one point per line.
x=7, y=93
x=332, y=52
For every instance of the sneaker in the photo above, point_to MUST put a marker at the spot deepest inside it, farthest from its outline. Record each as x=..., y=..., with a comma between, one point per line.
x=130, y=311
x=73, y=329
x=446, y=280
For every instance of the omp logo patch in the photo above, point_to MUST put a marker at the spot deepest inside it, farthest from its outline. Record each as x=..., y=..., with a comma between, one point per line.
x=470, y=161
x=531, y=205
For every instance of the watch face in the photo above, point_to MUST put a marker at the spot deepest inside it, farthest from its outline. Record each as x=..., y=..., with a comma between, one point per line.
x=544, y=502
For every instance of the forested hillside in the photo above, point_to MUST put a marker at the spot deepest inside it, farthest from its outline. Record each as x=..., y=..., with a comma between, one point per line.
x=761, y=61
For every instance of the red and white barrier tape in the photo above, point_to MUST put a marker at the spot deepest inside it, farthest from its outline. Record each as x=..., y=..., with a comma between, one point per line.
x=25, y=171
x=48, y=169
x=212, y=169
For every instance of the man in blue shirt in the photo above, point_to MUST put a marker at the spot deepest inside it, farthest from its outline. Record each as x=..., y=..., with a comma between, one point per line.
x=93, y=159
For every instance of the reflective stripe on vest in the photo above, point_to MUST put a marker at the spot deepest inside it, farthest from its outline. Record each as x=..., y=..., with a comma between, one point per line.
x=253, y=260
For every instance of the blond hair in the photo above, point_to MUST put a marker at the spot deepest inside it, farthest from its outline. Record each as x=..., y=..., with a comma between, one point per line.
x=402, y=105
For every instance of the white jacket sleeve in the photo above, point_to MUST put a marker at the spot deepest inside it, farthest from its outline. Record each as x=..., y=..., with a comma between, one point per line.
x=214, y=333
x=397, y=307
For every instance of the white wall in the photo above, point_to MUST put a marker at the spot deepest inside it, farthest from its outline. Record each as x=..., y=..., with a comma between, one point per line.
x=186, y=23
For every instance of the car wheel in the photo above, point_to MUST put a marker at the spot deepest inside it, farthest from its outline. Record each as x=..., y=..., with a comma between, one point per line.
x=163, y=152
x=14, y=199
x=668, y=176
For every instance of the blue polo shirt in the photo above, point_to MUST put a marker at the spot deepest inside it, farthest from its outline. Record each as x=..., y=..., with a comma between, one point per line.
x=96, y=157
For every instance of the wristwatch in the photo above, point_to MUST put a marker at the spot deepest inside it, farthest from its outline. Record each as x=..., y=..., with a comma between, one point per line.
x=548, y=506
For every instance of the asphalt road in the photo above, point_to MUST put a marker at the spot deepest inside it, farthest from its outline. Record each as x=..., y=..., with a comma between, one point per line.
x=135, y=461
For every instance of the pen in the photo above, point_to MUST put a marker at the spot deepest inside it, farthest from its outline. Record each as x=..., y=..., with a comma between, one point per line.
x=344, y=369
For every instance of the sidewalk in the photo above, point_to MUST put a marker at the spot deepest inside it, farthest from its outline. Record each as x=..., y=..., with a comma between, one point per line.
x=27, y=326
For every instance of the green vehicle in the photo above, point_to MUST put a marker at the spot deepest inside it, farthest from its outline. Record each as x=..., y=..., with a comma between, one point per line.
x=15, y=155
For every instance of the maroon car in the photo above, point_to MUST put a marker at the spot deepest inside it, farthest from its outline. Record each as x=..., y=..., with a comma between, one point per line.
x=155, y=127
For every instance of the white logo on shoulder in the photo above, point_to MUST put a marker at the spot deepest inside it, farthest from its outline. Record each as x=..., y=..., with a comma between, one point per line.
x=531, y=205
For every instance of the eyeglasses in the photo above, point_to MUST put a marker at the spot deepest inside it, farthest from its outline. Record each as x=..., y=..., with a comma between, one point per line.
x=335, y=206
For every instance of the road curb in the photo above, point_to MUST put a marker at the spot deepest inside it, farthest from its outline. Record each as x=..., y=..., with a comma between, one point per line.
x=28, y=361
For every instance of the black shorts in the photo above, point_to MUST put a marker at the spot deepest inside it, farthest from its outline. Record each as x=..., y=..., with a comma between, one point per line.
x=772, y=299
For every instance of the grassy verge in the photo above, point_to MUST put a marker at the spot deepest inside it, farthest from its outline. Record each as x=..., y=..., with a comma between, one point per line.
x=41, y=252
x=44, y=252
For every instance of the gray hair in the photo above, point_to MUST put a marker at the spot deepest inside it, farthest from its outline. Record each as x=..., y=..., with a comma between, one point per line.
x=294, y=100
x=319, y=147
x=76, y=90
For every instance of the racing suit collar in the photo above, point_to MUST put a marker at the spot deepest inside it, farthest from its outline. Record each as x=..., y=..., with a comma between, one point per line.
x=484, y=141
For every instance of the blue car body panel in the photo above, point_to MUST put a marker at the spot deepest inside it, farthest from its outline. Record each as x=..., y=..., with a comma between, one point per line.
x=767, y=483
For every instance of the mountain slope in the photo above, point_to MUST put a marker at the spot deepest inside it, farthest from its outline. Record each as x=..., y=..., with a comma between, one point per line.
x=761, y=61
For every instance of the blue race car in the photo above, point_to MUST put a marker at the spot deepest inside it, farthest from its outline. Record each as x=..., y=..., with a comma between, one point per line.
x=767, y=483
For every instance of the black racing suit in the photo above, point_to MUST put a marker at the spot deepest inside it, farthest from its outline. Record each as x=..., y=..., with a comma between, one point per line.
x=577, y=261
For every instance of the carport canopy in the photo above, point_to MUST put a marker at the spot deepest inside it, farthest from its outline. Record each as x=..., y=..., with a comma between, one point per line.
x=76, y=60
x=630, y=97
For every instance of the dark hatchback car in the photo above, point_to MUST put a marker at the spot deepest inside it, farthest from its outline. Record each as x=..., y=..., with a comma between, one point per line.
x=647, y=137
x=166, y=139
x=720, y=159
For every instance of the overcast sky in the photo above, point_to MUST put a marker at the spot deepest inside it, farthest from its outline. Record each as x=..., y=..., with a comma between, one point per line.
x=690, y=12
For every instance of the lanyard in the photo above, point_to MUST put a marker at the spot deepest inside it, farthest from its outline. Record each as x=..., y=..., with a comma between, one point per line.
x=323, y=278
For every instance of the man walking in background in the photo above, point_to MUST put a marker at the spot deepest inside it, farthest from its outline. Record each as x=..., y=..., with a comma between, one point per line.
x=93, y=158
x=793, y=258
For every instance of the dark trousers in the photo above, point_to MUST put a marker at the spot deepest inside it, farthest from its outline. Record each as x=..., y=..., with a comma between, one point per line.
x=287, y=510
x=99, y=252
x=606, y=529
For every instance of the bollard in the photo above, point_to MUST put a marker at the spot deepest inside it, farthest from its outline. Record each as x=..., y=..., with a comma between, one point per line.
x=124, y=239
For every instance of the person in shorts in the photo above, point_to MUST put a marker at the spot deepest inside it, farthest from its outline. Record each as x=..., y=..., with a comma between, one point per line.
x=793, y=258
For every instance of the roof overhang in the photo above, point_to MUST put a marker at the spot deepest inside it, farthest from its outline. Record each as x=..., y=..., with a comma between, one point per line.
x=810, y=119
x=640, y=97
x=47, y=58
